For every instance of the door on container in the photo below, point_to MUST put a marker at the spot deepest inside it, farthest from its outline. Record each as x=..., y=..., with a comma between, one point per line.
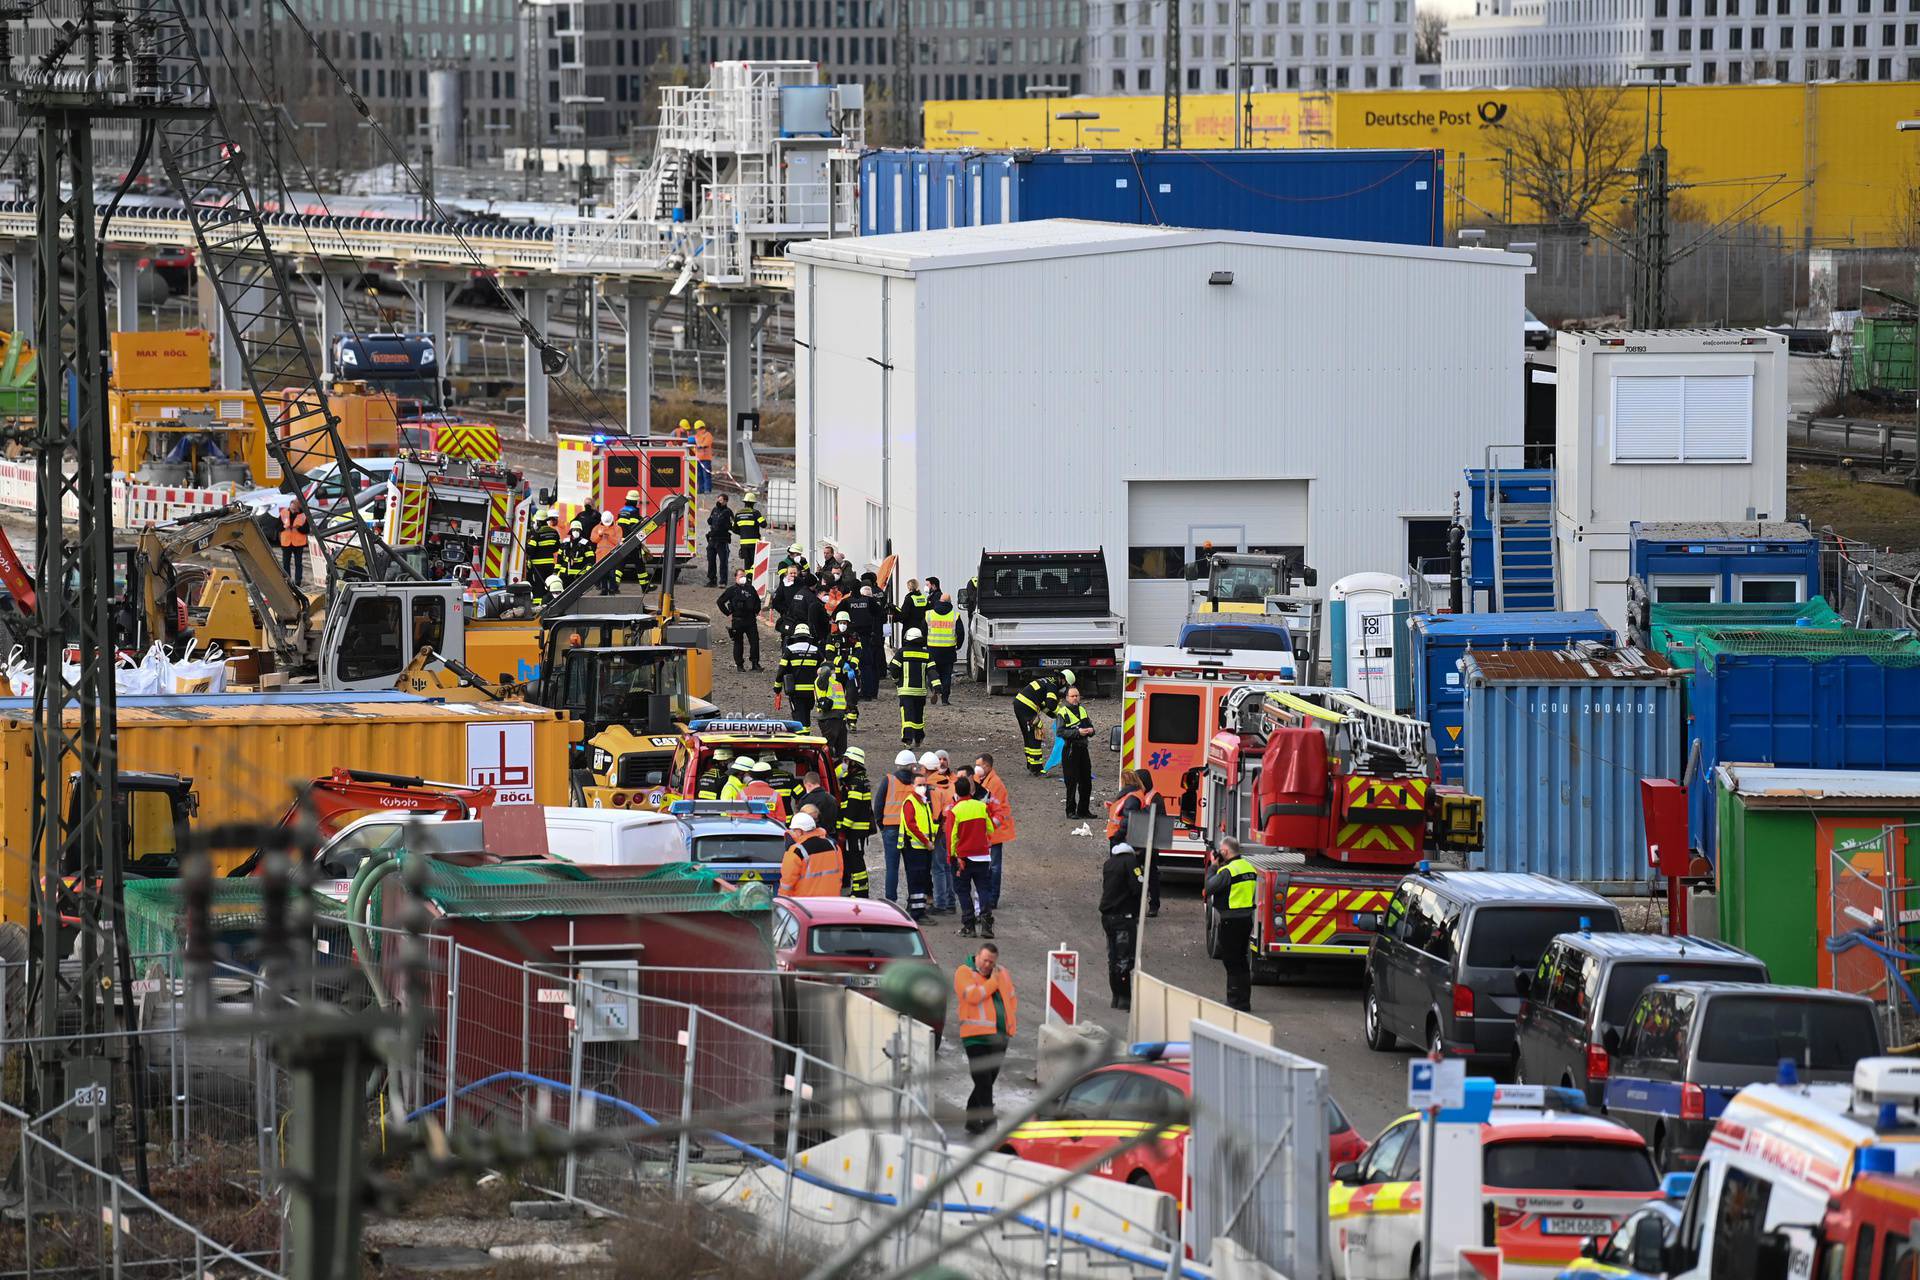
x=1860, y=874
x=1169, y=523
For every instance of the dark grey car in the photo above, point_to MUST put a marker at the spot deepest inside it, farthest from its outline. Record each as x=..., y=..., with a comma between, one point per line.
x=1586, y=985
x=1445, y=966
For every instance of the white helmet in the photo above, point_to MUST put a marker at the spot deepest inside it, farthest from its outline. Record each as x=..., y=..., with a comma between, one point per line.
x=1067, y=676
x=928, y=760
x=914, y=633
x=802, y=822
x=905, y=757
x=796, y=549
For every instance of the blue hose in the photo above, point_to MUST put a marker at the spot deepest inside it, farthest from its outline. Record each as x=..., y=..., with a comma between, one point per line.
x=811, y=1179
x=1892, y=956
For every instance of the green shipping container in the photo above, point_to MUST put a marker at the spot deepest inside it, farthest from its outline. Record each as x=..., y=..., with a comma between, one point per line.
x=1882, y=354
x=1674, y=628
x=1801, y=852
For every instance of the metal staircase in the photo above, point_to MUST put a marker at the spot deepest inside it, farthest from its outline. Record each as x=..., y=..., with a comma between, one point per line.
x=1526, y=564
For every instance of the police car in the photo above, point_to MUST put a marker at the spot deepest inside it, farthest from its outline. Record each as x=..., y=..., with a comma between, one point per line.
x=1613, y=1257
x=740, y=839
x=1552, y=1178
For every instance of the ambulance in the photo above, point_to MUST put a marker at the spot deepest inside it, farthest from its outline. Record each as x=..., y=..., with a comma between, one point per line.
x=600, y=469
x=1169, y=709
x=1794, y=1178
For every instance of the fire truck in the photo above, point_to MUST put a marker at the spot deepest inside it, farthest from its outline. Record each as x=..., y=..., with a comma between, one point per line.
x=1170, y=700
x=1333, y=800
x=454, y=517
x=600, y=470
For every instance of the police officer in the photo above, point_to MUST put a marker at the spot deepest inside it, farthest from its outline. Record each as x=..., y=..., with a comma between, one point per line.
x=719, y=539
x=1120, y=887
x=799, y=669
x=856, y=817
x=1230, y=891
x=830, y=699
x=912, y=610
x=1076, y=763
x=945, y=634
x=741, y=605
x=714, y=777
x=746, y=527
x=635, y=569
x=543, y=554
x=1037, y=702
x=910, y=669
x=867, y=614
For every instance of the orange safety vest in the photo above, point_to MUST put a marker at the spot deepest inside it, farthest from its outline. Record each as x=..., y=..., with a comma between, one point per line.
x=897, y=793
x=1116, y=824
x=1000, y=807
x=293, y=534
x=758, y=790
x=940, y=791
x=811, y=875
x=703, y=444
x=975, y=1000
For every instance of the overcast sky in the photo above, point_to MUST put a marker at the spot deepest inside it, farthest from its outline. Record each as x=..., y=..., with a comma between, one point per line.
x=1452, y=8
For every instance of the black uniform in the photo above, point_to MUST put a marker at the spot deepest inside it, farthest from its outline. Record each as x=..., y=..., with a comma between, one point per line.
x=741, y=605
x=1235, y=931
x=856, y=823
x=635, y=569
x=719, y=539
x=788, y=603
x=822, y=799
x=1037, y=702
x=1076, y=764
x=912, y=613
x=543, y=558
x=1120, y=917
x=911, y=669
x=576, y=560
x=746, y=527
x=830, y=705
x=799, y=668
x=944, y=654
x=868, y=617
x=1128, y=807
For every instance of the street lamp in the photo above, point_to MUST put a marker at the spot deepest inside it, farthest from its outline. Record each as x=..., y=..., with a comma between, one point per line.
x=1077, y=117
x=1043, y=92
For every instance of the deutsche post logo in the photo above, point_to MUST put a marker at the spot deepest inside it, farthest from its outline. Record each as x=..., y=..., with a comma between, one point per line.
x=1492, y=112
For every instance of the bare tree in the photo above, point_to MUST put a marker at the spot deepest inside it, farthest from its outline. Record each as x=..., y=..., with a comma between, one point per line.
x=1574, y=153
x=1429, y=35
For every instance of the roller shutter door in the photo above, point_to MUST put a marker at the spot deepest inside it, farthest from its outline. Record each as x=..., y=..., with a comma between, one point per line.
x=1168, y=519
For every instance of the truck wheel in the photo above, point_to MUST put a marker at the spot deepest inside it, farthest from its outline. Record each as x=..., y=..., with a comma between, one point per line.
x=1379, y=1039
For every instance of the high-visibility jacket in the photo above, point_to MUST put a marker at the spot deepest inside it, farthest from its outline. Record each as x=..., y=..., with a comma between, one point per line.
x=974, y=997
x=1073, y=718
x=707, y=786
x=604, y=537
x=970, y=829
x=576, y=558
x=1043, y=695
x=746, y=525
x=293, y=528
x=812, y=870
x=1116, y=820
x=759, y=790
x=856, y=808
x=736, y=787
x=909, y=671
x=703, y=444
x=943, y=629
x=1000, y=806
x=1243, y=881
x=916, y=823
x=832, y=692
x=799, y=664
x=543, y=552
x=628, y=521
x=894, y=799
x=940, y=792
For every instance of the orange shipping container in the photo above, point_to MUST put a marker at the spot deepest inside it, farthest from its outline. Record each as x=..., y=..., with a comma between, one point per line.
x=175, y=360
x=369, y=426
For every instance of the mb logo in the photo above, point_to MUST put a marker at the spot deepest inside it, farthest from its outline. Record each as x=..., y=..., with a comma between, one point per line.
x=1492, y=112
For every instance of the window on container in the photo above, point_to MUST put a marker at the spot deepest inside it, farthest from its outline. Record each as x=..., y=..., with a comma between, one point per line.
x=1769, y=589
x=827, y=511
x=1155, y=564
x=1679, y=589
x=1697, y=418
x=1173, y=718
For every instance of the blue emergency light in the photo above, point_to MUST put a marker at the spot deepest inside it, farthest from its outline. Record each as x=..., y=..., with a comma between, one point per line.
x=1787, y=1073
x=1874, y=1159
x=1161, y=1050
x=1676, y=1186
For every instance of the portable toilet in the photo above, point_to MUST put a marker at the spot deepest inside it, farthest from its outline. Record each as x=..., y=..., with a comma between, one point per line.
x=1360, y=608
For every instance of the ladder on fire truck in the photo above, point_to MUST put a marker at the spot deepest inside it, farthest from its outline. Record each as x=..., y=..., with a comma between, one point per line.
x=1379, y=741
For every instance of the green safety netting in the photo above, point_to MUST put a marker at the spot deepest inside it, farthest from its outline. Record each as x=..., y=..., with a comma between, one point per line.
x=1814, y=644
x=1674, y=629
x=518, y=891
x=155, y=914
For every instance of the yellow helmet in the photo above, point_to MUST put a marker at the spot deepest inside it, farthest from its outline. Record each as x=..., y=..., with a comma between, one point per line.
x=698, y=423
x=683, y=424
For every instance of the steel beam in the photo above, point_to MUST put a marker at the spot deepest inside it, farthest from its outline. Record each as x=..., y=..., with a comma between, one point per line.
x=126, y=293
x=640, y=305
x=740, y=397
x=24, y=266
x=246, y=314
x=534, y=304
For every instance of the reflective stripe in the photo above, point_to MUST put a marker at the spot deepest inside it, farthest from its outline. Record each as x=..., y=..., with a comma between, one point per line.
x=1242, y=881
x=943, y=631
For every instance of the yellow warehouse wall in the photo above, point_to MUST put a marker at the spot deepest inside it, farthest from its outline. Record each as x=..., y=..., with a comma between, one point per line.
x=1821, y=158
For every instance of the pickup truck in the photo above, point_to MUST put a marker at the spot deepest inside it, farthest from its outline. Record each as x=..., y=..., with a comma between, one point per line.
x=1029, y=612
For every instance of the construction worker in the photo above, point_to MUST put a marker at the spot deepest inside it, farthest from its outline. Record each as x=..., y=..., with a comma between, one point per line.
x=917, y=835
x=830, y=699
x=739, y=774
x=747, y=528
x=970, y=848
x=811, y=867
x=576, y=557
x=1038, y=701
x=889, y=800
x=605, y=536
x=909, y=669
x=719, y=539
x=703, y=454
x=1120, y=918
x=799, y=669
x=994, y=792
x=1076, y=763
x=1231, y=889
x=988, y=1013
x=1138, y=794
x=741, y=605
x=856, y=817
x=293, y=542
x=629, y=521
x=945, y=634
x=713, y=778
x=543, y=554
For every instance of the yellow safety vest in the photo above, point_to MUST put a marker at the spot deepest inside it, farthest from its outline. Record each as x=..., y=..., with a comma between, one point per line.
x=1243, y=879
x=943, y=632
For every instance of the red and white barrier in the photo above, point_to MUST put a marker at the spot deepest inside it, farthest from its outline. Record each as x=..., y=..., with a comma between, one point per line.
x=762, y=567
x=135, y=506
x=1063, y=987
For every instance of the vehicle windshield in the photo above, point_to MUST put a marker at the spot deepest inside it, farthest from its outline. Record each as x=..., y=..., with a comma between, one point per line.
x=1054, y=580
x=1532, y=318
x=1761, y=1029
x=622, y=684
x=1556, y=1164
x=1629, y=980
x=739, y=848
x=866, y=941
x=1514, y=937
x=1245, y=582
x=1220, y=639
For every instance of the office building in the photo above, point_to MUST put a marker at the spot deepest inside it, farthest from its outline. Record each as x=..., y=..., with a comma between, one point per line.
x=1283, y=44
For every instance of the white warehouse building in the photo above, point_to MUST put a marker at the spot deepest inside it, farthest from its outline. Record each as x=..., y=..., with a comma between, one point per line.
x=1064, y=385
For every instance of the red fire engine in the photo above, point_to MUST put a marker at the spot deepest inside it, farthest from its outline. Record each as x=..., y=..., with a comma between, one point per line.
x=1333, y=800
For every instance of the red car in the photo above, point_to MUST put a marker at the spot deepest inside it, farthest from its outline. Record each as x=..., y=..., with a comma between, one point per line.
x=841, y=936
x=1114, y=1102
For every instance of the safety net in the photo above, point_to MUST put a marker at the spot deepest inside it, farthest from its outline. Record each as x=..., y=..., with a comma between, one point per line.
x=155, y=917
x=1674, y=629
x=520, y=891
x=1813, y=644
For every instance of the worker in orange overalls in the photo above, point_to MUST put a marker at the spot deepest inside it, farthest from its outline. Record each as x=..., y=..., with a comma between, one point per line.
x=811, y=867
x=703, y=453
x=293, y=542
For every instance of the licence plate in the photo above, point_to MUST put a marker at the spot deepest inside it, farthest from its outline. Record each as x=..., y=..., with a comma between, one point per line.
x=1056, y=662
x=1558, y=1226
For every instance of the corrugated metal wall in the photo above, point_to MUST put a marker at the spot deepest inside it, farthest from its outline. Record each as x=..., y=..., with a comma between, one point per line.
x=1026, y=396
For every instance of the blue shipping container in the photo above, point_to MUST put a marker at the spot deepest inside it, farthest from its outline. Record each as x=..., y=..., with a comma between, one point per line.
x=1392, y=197
x=1556, y=744
x=1750, y=562
x=1802, y=697
x=1440, y=640
x=1529, y=485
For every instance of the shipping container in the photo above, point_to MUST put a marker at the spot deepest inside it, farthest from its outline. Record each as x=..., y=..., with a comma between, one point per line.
x=1745, y=562
x=1392, y=197
x=1883, y=353
x=247, y=752
x=1440, y=640
x=1675, y=628
x=1798, y=697
x=162, y=360
x=1556, y=743
x=1798, y=847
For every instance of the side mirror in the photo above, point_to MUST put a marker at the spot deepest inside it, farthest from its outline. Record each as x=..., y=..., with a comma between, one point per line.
x=1589, y=1247
x=1773, y=1257
x=1648, y=1253
x=1348, y=1173
x=1523, y=983
x=1113, y=737
x=1367, y=921
x=1610, y=1040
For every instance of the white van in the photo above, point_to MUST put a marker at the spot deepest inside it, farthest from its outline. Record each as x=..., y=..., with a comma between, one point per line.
x=615, y=837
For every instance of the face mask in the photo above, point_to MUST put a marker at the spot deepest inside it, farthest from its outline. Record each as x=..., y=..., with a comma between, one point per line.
x=979, y=771
x=739, y=582
x=921, y=789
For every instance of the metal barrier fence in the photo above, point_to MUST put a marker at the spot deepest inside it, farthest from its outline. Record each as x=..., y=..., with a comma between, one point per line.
x=1864, y=591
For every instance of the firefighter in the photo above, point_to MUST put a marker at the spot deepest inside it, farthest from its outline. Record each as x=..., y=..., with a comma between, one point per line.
x=856, y=817
x=714, y=777
x=634, y=570
x=746, y=527
x=741, y=605
x=1076, y=764
x=909, y=670
x=738, y=776
x=798, y=670
x=703, y=454
x=796, y=560
x=1120, y=918
x=543, y=554
x=830, y=698
x=843, y=652
x=916, y=847
x=719, y=539
x=811, y=867
x=1037, y=702
x=576, y=557
x=945, y=634
x=1231, y=888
